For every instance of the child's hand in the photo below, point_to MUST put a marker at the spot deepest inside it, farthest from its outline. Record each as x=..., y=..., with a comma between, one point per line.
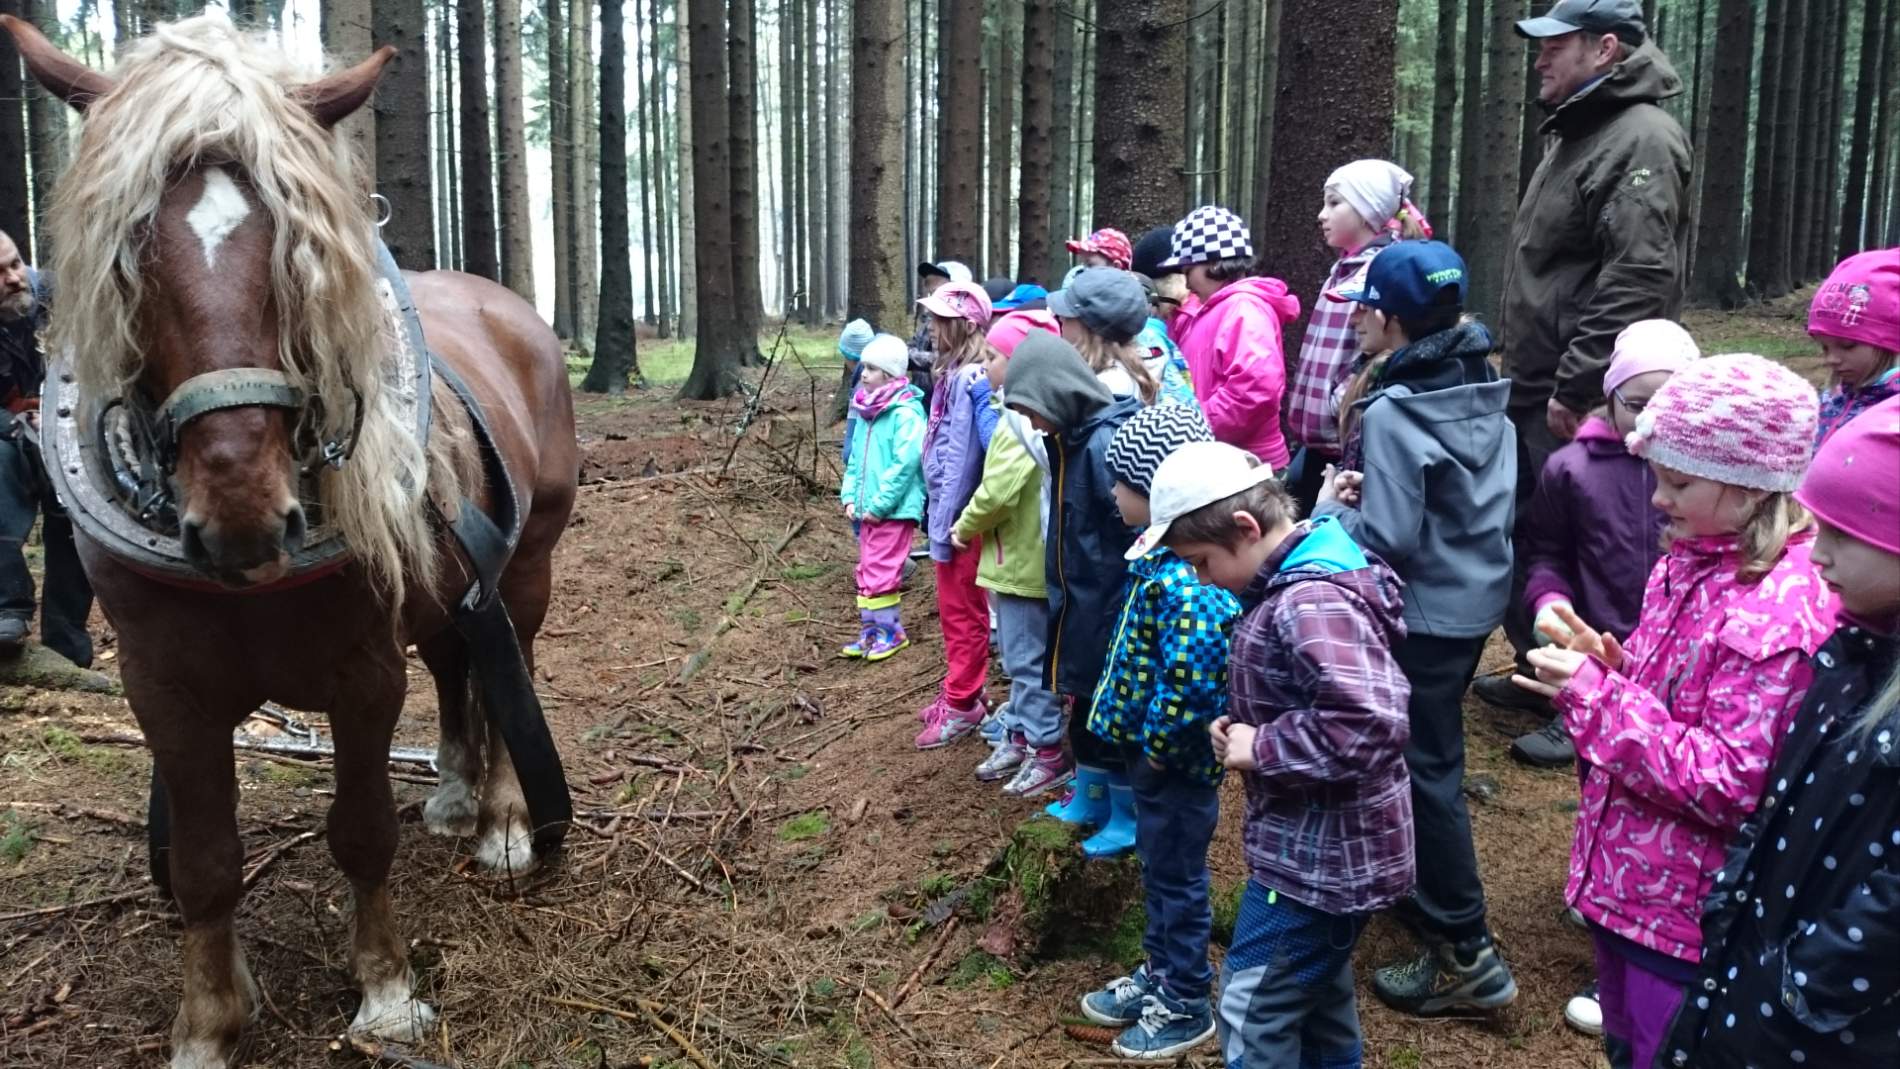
x=1554, y=669
x=1587, y=640
x=1342, y=486
x=850, y=511
x=1217, y=734
x=1328, y=490
x=958, y=542
x=1233, y=743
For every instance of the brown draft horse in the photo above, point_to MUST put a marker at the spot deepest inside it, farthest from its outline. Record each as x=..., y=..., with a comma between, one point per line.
x=209, y=222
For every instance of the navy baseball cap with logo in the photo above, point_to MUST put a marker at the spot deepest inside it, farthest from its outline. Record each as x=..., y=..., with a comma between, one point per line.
x=1409, y=279
x=1624, y=18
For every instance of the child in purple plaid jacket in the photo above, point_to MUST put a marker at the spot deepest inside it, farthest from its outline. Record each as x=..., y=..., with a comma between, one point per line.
x=1363, y=209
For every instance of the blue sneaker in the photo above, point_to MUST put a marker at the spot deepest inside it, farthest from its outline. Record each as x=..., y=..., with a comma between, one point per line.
x=1087, y=800
x=1121, y=1001
x=992, y=728
x=1117, y=834
x=1168, y=1027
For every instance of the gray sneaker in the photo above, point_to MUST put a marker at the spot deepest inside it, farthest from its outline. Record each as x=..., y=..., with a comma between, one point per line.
x=1004, y=760
x=1448, y=978
x=1547, y=747
x=1044, y=769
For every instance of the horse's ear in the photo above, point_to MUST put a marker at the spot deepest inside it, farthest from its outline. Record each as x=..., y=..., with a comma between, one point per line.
x=332, y=99
x=61, y=75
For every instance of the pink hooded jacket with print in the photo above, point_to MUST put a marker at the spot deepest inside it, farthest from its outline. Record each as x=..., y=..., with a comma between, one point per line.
x=1678, y=743
x=1237, y=364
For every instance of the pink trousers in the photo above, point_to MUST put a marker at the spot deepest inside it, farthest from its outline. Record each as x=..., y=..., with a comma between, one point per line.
x=965, y=615
x=883, y=547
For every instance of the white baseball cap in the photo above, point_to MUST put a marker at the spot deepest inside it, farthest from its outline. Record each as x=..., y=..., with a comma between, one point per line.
x=1194, y=476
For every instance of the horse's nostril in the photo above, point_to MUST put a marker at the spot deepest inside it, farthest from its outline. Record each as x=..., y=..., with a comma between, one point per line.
x=294, y=529
x=191, y=539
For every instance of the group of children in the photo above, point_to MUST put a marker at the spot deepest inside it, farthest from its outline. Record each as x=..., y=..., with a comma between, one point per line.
x=1196, y=567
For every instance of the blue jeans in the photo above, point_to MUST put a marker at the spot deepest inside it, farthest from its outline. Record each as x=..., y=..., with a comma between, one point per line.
x=25, y=495
x=1174, y=822
x=1286, y=988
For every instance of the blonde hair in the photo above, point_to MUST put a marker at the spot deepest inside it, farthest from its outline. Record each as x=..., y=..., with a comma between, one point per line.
x=201, y=93
x=1410, y=229
x=1775, y=519
x=1100, y=354
x=1355, y=391
x=966, y=343
x=1881, y=706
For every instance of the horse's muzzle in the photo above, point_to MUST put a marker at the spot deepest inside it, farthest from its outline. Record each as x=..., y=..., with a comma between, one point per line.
x=244, y=558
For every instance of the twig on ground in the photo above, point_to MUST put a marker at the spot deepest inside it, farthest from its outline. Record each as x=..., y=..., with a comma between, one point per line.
x=68, y=809
x=650, y=1012
x=736, y=603
x=891, y=1013
x=84, y=903
x=271, y=856
x=377, y=1050
x=916, y=978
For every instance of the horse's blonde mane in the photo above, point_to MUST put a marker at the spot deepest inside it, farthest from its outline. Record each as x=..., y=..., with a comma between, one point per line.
x=201, y=92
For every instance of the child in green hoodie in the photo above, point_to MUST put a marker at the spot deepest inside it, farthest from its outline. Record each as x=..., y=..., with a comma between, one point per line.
x=883, y=491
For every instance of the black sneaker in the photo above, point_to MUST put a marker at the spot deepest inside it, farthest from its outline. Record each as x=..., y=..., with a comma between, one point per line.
x=1501, y=692
x=1547, y=747
x=1448, y=978
x=12, y=635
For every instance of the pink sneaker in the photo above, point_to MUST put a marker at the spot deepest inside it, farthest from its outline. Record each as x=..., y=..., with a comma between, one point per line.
x=952, y=724
x=1046, y=768
x=933, y=712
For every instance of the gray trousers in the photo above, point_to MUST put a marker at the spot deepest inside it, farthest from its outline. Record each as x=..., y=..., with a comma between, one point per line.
x=1286, y=999
x=1022, y=637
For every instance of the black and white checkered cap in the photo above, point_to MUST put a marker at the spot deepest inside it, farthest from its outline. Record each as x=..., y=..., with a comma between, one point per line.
x=1209, y=233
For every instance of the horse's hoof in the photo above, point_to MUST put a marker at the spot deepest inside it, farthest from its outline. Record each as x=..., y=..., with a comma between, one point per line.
x=450, y=811
x=506, y=848
x=390, y=1012
x=200, y=1054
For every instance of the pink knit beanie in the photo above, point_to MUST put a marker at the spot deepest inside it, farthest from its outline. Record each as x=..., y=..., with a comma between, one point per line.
x=1736, y=418
x=1860, y=301
x=1648, y=345
x=1009, y=330
x=1854, y=484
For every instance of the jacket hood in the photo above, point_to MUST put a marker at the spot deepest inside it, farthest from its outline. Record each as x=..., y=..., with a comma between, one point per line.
x=1445, y=386
x=1048, y=377
x=1272, y=291
x=1647, y=77
x=1321, y=550
x=1600, y=438
x=1120, y=411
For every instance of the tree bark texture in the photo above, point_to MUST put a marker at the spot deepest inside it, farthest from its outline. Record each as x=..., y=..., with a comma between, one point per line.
x=1721, y=252
x=817, y=236
x=1763, y=199
x=402, y=135
x=46, y=130
x=878, y=271
x=1488, y=246
x=1883, y=215
x=645, y=143
x=1053, y=257
x=447, y=236
x=1821, y=251
x=742, y=77
x=346, y=35
x=1269, y=102
x=1323, y=75
x=15, y=195
x=1444, y=115
x=1787, y=131
x=1040, y=25
x=1471, y=126
x=960, y=142
x=715, y=371
x=511, y=157
x=1811, y=138
x=788, y=189
x=837, y=124
x=560, y=158
x=479, y=256
x=1141, y=65
x=679, y=177
x=615, y=362
x=582, y=120
x=1002, y=118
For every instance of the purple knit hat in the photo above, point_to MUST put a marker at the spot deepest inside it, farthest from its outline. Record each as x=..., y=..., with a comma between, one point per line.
x=1736, y=418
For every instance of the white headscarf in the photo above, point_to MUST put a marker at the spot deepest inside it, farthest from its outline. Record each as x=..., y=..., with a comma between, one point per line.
x=1375, y=189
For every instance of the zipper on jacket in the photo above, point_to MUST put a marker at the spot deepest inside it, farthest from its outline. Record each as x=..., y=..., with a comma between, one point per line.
x=1062, y=578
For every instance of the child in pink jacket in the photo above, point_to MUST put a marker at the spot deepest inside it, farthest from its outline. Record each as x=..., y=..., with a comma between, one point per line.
x=1232, y=340
x=1678, y=728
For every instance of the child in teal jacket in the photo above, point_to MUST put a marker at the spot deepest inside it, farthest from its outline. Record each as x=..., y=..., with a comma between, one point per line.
x=883, y=490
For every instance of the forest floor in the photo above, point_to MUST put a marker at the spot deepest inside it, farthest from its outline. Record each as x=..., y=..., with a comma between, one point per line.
x=757, y=847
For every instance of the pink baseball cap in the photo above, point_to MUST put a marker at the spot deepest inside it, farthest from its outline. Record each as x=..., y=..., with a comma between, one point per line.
x=1649, y=345
x=1854, y=483
x=1009, y=331
x=960, y=300
x=1860, y=301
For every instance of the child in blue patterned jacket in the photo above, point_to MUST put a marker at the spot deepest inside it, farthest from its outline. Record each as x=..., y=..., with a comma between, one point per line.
x=1164, y=682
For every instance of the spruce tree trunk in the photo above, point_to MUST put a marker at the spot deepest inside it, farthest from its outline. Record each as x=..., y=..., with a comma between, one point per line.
x=517, y=234
x=743, y=119
x=878, y=272
x=1787, y=129
x=715, y=371
x=46, y=129
x=960, y=143
x=615, y=362
x=1263, y=122
x=1883, y=215
x=1821, y=252
x=585, y=172
x=479, y=255
x=1763, y=197
x=1321, y=73
x=683, y=208
x=1811, y=147
x=669, y=98
x=800, y=142
x=1239, y=84
x=346, y=34
x=1002, y=117
x=402, y=135
x=644, y=144
x=1721, y=252
x=818, y=237
x=1039, y=135
x=1053, y=256
x=788, y=189
x=1531, y=141
x=15, y=195
x=1471, y=127
x=1141, y=69
x=560, y=160
x=1444, y=115
x=448, y=189
x=1488, y=247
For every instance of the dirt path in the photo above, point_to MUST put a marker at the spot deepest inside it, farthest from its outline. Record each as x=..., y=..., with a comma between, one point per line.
x=759, y=840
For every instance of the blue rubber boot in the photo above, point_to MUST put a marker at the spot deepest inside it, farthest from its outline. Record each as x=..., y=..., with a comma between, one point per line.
x=1117, y=837
x=1087, y=800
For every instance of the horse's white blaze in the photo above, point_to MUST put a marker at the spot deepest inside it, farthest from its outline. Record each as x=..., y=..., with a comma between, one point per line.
x=390, y=1011
x=219, y=211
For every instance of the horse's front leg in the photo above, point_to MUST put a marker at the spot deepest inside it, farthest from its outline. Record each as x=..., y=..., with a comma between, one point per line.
x=362, y=832
x=193, y=752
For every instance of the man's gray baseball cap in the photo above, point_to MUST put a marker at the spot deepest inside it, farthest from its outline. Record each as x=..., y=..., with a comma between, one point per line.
x=1623, y=18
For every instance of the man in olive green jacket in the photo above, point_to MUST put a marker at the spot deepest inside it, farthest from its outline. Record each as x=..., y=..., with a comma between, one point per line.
x=1601, y=239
